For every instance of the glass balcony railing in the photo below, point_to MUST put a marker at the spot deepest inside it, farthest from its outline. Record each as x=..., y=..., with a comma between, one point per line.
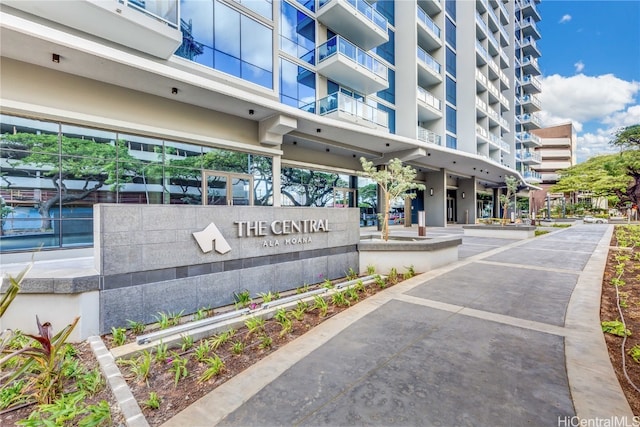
x=339, y=46
x=429, y=136
x=527, y=137
x=163, y=10
x=428, y=98
x=483, y=52
x=365, y=10
x=532, y=175
x=530, y=156
x=339, y=102
x=428, y=22
x=533, y=80
x=429, y=61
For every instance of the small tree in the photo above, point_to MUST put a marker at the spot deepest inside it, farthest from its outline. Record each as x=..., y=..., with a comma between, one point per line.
x=505, y=199
x=395, y=181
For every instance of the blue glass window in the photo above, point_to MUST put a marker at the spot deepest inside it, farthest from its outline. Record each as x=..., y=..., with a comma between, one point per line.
x=308, y=4
x=297, y=86
x=451, y=119
x=451, y=62
x=220, y=37
x=389, y=94
x=387, y=51
x=452, y=142
x=332, y=87
x=297, y=33
x=385, y=7
x=261, y=7
x=451, y=91
x=450, y=32
x=450, y=7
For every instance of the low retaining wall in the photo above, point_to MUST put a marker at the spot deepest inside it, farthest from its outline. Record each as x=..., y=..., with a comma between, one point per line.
x=401, y=253
x=500, y=232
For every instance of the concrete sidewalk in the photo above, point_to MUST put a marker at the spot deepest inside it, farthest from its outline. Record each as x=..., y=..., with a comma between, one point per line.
x=508, y=336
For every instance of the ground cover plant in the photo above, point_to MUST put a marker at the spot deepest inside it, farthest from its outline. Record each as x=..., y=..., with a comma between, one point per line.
x=166, y=380
x=620, y=310
x=46, y=381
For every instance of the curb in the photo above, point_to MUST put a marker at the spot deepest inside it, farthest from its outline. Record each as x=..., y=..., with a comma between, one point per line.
x=128, y=405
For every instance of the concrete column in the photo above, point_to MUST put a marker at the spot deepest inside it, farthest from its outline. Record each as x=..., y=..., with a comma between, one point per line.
x=497, y=208
x=436, y=204
x=275, y=172
x=466, y=205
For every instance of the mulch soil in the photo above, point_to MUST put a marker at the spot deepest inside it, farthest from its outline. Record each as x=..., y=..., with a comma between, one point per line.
x=630, y=297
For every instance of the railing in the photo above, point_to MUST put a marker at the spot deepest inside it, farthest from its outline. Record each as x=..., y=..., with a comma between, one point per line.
x=504, y=101
x=505, y=147
x=532, y=175
x=530, y=118
x=481, y=77
x=338, y=45
x=166, y=11
x=529, y=41
x=482, y=132
x=533, y=80
x=528, y=98
x=483, y=52
x=531, y=156
x=346, y=104
x=429, y=61
x=428, y=22
x=528, y=136
x=503, y=9
x=365, y=10
x=480, y=21
x=429, y=136
x=481, y=104
x=493, y=15
x=530, y=60
x=428, y=98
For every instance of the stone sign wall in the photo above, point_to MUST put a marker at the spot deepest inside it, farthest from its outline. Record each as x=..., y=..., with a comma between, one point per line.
x=168, y=258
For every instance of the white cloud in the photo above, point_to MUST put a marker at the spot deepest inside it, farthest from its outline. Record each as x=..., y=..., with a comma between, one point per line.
x=579, y=66
x=605, y=103
x=565, y=18
x=584, y=98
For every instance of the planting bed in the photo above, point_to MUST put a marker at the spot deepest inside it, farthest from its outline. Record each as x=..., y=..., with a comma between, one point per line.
x=623, y=271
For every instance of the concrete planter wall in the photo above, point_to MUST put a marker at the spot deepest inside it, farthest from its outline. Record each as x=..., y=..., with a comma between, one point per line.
x=400, y=253
x=500, y=232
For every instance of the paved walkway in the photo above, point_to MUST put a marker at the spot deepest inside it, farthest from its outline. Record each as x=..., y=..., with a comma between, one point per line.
x=508, y=336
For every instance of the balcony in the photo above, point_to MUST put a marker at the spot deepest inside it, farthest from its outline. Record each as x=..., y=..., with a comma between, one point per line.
x=482, y=56
x=530, y=65
x=529, y=158
x=151, y=27
x=530, y=103
x=528, y=8
x=481, y=108
x=504, y=15
x=532, y=177
x=356, y=20
x=429, y=34
x=482, y=132
x=528, y=46
x=481, y=81
x=429, y=107
x=531, y=84
x=528, y=28
x=345, y=108
x=529, y=121
x=429, y=136
x=432, y=7
x=481, y=25
x=429, y=70
x=343, y=62
x=528, y=139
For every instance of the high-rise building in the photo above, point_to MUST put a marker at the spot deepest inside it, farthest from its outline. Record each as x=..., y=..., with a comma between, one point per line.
x=265, y=102
x=528, y=85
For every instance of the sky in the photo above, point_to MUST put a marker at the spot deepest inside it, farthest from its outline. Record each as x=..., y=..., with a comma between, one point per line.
x=590, y=67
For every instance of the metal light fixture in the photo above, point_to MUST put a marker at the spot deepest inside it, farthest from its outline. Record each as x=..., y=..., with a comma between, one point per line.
x=55, y=58
x=174, y=90
x=463, y=195
x=431, y=191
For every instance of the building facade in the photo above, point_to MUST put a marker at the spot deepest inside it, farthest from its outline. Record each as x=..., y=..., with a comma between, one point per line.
x=258, y=102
